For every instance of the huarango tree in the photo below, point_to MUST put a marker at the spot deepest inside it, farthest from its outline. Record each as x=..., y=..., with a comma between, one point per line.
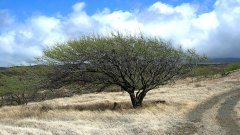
x=137, y=64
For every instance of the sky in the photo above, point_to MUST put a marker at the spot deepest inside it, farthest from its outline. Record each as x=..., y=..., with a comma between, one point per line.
x=211, y=27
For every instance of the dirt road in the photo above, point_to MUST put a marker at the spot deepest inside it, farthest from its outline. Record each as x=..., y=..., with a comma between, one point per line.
x=215, y=116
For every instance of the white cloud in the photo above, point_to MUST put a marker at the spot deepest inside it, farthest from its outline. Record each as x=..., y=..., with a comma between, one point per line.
x=203, y=21
x=214, y=33
x=161, y=8
x=185, y=10
x=6, y=41
x=78, y=6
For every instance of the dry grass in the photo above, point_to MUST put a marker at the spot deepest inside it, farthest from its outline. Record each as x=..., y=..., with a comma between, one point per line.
x=93, y=114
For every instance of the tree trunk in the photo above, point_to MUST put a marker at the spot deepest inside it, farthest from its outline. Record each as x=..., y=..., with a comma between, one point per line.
x=2, y=102
x=141, y=96
x=137, y=100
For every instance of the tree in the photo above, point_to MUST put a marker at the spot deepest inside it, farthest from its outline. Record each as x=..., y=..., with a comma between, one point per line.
x=137, y=64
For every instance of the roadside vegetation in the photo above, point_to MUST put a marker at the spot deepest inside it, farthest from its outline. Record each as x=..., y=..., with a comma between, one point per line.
x=231, y=67
x=210, y=70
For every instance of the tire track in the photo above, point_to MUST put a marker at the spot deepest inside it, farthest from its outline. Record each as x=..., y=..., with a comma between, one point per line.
x=203, y=112
x=225, y=115
x=196, y=114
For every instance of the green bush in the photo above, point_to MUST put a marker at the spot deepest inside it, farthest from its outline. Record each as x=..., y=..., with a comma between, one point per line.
x=231, y=67
x=21, y=78
x=203, y=71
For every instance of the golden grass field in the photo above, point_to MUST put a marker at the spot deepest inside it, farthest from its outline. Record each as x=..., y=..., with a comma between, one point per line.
x=92, y=114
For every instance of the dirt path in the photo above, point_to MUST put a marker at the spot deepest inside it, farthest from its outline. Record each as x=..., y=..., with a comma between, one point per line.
x=215, y=116
x=225, y=115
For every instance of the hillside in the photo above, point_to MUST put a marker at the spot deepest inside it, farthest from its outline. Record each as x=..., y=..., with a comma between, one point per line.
x=222, y=60
x=191, y=106
x=21, y=78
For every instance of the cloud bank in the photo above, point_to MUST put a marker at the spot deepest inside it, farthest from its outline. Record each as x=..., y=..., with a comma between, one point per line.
x=215, y=33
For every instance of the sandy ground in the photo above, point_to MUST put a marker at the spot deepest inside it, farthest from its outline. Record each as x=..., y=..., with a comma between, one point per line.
x=237, y=110
x=193, y=106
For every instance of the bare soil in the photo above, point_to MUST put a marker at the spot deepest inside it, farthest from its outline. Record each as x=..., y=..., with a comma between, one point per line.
x=215, y=116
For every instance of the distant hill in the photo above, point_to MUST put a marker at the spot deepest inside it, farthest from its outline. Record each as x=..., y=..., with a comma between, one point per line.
x=222, y=60
x=2, y=68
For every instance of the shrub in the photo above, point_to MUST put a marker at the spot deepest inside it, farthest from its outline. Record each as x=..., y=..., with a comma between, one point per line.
x=231, y=67
x=203, y=71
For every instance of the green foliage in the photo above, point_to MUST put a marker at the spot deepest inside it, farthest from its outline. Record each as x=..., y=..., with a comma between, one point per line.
x=204, y=71
x=231, y=67
x=21, y=78
x=208, y=70
x=131, y=62
x=75, y=51
x=139, y=58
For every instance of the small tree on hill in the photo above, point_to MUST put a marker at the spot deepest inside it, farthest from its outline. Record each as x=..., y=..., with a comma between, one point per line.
x=137, y=64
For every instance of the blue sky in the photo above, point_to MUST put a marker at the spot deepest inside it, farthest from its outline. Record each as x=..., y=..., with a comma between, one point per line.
x=210, y=27
x=22, y=9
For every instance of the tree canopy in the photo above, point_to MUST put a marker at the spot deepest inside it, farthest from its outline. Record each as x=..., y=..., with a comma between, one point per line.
x=135, y=63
